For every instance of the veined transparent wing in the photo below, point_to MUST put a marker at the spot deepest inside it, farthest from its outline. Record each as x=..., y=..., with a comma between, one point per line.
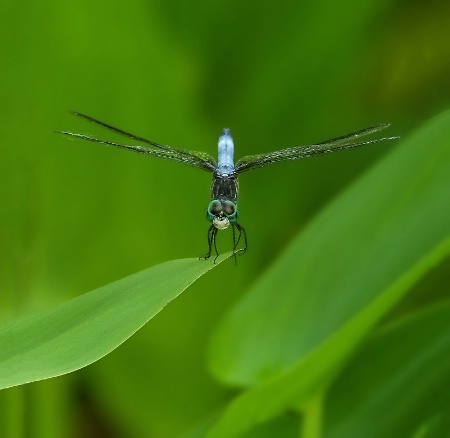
x=357, y=134
x=250, y=162
x=198, y=159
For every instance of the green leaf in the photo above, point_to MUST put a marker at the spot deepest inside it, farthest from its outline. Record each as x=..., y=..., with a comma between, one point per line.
x=314, y=372
x=401, y=376
x=86, y=328
x=352, y=251
x=355, y=261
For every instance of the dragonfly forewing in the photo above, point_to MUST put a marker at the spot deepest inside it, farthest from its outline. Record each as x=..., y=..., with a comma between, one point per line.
x=357, y=134
x=250, y=162
x=202, y=160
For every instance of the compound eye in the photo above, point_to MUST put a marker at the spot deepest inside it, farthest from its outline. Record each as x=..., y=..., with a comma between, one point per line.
x=215, y=208
x=228, y=207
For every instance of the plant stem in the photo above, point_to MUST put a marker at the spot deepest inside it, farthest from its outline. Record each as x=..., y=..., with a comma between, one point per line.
x=311, y=426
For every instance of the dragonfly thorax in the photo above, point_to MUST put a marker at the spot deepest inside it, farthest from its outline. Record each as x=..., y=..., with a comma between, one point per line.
x=222, y=213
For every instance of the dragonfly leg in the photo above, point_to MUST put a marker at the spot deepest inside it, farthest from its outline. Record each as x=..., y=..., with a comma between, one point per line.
x=212, y=233
x=241, y=230
x=238, y=239
x=210, y=241
x=235, y=242
x=213, y=236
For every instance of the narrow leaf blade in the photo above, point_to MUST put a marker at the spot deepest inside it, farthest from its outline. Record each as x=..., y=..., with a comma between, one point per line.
x=86, y=328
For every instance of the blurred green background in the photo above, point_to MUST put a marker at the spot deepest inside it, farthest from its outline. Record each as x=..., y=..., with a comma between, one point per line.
x=75, y=216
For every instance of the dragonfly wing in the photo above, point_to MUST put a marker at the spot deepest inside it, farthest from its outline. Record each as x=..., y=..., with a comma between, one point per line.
x=357, y=134
x=337, y=144
x=192, y=158
x=119, y=131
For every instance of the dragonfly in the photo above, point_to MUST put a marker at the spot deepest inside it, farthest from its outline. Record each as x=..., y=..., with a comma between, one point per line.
x=222, y=210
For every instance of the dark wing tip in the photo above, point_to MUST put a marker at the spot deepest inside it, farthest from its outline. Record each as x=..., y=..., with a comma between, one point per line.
x=78, y=114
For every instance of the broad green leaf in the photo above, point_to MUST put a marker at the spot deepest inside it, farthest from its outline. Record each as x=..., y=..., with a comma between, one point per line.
x=301, y=322
x=401, y=377
x=88, y=327
x=312, y=374
x=359, y=246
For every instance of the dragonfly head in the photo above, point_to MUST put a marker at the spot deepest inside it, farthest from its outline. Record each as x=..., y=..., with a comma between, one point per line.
x=222, y=213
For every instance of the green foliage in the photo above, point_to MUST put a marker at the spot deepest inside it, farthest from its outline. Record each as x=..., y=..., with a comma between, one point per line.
x=353, y=273
x=408, y=380
x=306, y=355
x=399, y=204
x=290, y=342
x=86, y=328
